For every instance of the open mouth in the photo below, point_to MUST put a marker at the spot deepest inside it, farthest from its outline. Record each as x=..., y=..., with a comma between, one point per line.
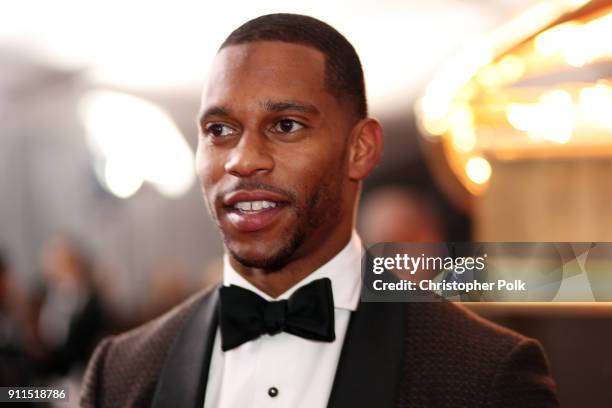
x=254, y=206
x=254, y=210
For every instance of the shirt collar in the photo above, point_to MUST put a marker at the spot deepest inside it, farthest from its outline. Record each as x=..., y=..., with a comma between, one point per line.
x=344, y=271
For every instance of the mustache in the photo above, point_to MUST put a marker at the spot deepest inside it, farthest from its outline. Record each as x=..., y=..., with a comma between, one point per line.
x=258, y=185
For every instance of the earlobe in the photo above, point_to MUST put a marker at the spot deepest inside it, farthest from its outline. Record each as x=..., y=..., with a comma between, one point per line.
x=365, y=148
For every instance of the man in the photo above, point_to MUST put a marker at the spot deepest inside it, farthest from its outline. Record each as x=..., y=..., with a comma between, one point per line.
x=284, y=144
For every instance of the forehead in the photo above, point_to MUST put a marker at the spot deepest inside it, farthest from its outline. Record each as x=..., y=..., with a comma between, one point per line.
x=266, y=70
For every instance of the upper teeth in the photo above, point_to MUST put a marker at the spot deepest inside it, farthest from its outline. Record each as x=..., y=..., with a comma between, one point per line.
x=254, y=205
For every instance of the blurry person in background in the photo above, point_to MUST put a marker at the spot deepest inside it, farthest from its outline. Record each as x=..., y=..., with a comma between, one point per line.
x=284, y=144
x=399, y=214
x=72, y=316
x=17, y=368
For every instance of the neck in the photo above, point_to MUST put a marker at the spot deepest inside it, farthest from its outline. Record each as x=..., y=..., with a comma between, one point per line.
x=315, y=255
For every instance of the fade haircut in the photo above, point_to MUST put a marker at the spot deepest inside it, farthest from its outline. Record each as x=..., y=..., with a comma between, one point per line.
x=343, y=72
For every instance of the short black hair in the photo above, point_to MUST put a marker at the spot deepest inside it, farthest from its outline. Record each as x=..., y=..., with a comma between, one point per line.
x=343, y=72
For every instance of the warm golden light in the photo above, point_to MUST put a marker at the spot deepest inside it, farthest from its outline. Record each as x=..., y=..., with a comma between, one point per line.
x=478, y=170
x=579, y=44
x=537, y=88
x=451, y=78
x=554, y=40
x=595, y=105
x=578, y=3
x=462, y=127
x=464, y=139
x=549, y=119
x=509, y=69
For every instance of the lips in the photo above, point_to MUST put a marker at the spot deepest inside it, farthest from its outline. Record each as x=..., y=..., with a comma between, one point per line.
x=253, y=195
x=253, y=210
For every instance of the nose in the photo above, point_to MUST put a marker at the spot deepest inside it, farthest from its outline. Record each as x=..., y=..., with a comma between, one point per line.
x=249, y=156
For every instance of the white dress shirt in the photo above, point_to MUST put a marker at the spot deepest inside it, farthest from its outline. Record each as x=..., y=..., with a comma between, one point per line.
x=301, y=371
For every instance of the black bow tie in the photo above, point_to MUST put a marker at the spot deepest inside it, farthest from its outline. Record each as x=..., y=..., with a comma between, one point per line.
x=308, y=313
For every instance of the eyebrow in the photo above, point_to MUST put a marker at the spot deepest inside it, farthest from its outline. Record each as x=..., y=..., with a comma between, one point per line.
x=278, y=106
x=214, y=111
x=270, y=106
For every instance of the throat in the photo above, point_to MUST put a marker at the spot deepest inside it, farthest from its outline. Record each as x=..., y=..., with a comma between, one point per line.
x=274, y=283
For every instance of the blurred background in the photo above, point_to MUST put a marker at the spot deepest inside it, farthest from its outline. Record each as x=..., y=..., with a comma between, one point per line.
x=498, y=127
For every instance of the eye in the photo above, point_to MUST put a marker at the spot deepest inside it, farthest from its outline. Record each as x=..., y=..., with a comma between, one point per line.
x=287, y=126
x=218, y=130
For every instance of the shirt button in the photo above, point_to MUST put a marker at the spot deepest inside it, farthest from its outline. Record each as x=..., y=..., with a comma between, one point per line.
x=273, y=391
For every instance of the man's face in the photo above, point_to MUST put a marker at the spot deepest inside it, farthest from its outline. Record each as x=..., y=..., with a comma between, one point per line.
x=272, y=153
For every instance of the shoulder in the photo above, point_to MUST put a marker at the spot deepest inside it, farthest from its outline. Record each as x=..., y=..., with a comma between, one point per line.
x=447, y=321
x=127, y=366
x=453, y=354
x=444, y=337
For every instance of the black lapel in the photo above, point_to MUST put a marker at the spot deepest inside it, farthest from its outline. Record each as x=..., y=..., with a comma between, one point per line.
x=182, y=382
x=371, y=359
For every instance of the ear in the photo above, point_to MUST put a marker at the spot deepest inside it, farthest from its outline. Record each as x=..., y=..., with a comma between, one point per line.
x=365, y=148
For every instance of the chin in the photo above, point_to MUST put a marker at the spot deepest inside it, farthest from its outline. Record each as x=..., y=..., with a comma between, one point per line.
x=265, y=255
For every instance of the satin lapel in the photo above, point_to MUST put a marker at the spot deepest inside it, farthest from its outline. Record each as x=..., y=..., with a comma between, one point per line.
x=183, y=379
x=369, y=367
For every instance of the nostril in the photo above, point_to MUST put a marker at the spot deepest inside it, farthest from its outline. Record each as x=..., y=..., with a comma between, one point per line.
x=244, y=163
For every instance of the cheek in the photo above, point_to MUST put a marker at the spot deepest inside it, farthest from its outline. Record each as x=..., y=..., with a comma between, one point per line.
x=200, y=164
x=206, y=164
x=315, y=171
x=209, y=170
